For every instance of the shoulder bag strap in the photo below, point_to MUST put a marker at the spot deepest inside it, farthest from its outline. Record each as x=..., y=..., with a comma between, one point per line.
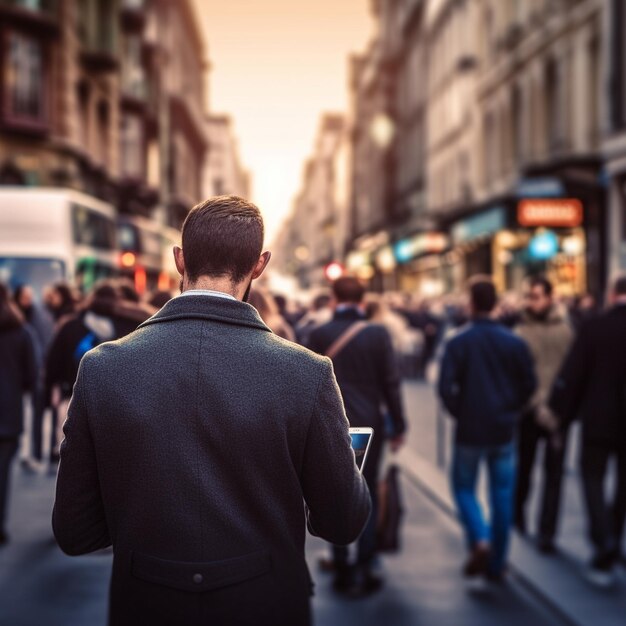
x=344, y=339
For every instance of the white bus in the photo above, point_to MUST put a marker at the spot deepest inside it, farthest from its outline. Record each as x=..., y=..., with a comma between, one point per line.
x=49, y=234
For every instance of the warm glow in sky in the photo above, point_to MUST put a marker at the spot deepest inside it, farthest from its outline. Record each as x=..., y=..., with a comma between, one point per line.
x=278, y=64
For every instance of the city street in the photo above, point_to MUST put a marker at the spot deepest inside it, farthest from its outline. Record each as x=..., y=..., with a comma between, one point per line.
x=38, y=583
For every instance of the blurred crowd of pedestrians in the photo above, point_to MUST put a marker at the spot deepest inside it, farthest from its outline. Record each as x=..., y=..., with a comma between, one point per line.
x=41, y=344
x=514, y=372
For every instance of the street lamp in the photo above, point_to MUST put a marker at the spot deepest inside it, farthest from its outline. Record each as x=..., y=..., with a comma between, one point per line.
x=382, y=130
x=334, y=270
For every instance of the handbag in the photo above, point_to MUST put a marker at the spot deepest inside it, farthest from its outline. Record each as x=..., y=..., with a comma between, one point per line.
x=390, y=512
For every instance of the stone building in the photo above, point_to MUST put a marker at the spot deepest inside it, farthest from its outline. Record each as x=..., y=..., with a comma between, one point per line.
x=314, y=234
x=106, y=97
x=223, y=172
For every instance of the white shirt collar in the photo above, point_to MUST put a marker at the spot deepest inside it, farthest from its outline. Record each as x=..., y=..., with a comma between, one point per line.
x=207, y=292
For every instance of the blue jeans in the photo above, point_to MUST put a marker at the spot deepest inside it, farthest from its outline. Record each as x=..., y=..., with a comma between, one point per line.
x=501, y=465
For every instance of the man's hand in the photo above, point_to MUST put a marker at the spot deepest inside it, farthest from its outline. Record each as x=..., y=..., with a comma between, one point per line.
x=395, y=443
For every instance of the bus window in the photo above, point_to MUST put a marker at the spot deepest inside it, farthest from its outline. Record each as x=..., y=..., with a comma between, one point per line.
x=93, y=229
x=128, y=238
x=38, y=273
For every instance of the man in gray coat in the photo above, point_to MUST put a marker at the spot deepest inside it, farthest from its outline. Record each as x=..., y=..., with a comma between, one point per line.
x=191, y=444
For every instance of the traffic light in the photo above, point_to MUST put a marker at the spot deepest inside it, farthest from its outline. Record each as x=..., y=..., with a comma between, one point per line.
x=334, y=270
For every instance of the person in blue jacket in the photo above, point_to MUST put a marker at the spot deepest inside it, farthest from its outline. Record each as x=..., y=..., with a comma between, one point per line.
x=487, y=378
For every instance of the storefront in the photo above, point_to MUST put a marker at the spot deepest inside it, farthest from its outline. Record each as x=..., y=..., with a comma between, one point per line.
x=546, y=238
x=421, y=264
x=539, y=230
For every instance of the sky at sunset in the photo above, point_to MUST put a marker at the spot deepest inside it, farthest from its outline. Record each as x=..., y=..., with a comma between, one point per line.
x=278, y=64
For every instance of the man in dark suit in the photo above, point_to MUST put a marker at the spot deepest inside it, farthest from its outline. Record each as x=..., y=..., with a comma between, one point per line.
x=367, y=374
x=592, y=386
x=191, y=444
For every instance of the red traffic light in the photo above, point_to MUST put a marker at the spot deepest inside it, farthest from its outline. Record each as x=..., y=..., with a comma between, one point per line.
x=334, y=270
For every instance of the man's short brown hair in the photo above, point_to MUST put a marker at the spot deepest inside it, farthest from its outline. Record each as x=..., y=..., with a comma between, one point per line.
x=222, y=236
x=483, y=294
x=348, y=289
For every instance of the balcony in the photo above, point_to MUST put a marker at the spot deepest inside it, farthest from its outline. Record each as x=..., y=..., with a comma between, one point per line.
x=38, y=16
x=99, y=53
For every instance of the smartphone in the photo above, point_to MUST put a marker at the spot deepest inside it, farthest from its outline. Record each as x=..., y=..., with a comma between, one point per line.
x=361, y=441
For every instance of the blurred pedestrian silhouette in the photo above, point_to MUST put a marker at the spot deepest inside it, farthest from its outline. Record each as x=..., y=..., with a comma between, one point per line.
x=592, y=386
x=548, y=334
x=367, y=374
x=264, y=303
x=486, y=380
x=18, y=373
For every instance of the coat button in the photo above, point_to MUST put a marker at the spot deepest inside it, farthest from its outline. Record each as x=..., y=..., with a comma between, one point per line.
x=198, y=578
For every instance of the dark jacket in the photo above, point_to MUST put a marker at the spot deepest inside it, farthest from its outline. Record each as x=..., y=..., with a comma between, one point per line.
x=190, y=446
x=486, y=379
x=592, y=382
x=18, y=373
x=75, y=337
x=366, y=371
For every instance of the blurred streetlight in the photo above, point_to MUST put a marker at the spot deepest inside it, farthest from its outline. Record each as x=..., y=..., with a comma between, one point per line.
x=382, y=130
x=302, y=253
x=334, y=270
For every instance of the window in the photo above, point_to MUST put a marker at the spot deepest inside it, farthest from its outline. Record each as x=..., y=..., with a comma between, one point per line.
x=25, y=79
x=131, y=148
x=33, y=5
x=133, y=73
x=594, y=91
x=489, y=145
x=38, y=273
x=103, y=131
x=552, y=104
x=517, y=130
x=92, y=228
x=128, y=237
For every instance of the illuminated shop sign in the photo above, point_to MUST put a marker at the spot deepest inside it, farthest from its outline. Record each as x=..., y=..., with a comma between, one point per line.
x=540, y=188
x=554, y=212
x=424, y=243
x=479, y=225
x=544, y=245
x=358, y=259
x=385, y=260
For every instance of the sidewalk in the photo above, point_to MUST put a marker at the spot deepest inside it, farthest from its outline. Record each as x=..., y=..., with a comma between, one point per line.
x=558, y=579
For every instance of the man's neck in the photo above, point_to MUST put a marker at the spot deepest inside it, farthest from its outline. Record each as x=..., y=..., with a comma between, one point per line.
x=216, y=284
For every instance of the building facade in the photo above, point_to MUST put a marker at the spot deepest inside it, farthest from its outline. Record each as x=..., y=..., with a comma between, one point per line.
x=314, y=234
x=106, y=97
x=539, y=187
x=223, y=172
x=480, y=143
x=614, y=48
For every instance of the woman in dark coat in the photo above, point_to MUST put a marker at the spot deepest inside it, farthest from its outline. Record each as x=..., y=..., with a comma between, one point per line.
x=18, y=373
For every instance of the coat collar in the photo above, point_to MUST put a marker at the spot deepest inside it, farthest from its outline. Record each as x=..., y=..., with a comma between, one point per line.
x=349, y=313
x=209, y=308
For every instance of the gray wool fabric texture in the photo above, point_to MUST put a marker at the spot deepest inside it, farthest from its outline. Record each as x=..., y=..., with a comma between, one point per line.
x=190, y=446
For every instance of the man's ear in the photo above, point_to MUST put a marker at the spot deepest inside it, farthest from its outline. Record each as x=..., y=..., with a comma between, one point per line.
x=179, y=260
x=261, y=264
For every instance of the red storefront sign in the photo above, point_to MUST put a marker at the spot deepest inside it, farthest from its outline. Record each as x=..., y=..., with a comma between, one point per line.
x=554, y=212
